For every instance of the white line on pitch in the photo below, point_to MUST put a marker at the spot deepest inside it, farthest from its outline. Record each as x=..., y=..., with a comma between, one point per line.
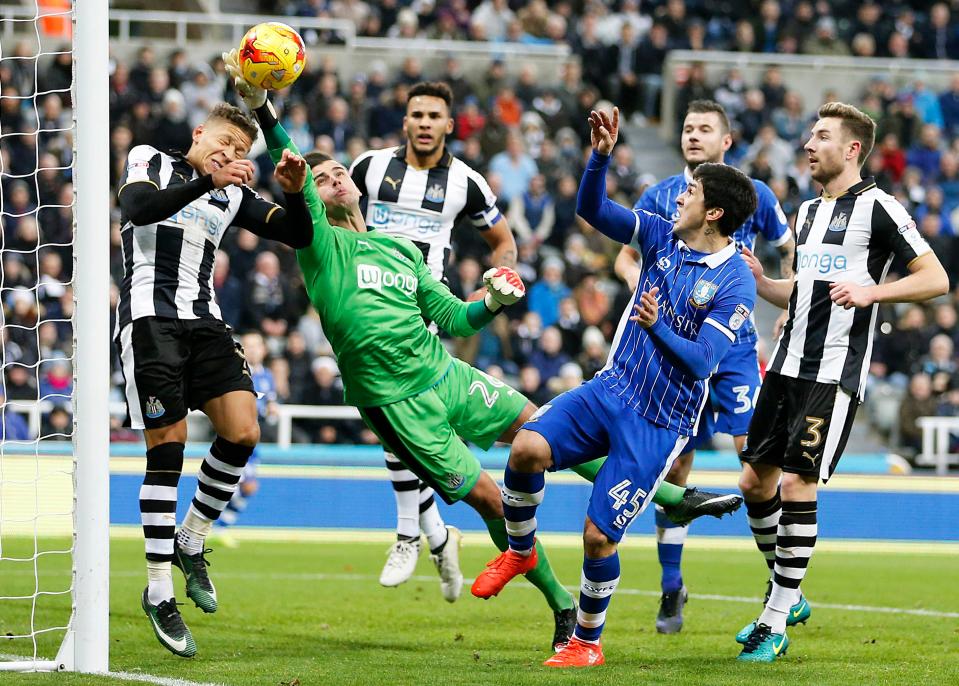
x=159, y=680
x=129, y=676
x=305, y=576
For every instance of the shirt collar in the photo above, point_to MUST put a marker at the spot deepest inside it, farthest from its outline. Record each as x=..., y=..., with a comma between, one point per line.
x=711, y=260
x=688, y=175
x=855, y=189
x=445, y=161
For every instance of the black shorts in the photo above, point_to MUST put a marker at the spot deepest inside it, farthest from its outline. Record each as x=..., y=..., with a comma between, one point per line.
x=171, y=366
x=800, y=426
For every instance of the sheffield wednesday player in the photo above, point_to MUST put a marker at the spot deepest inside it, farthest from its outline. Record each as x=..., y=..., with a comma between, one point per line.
x=846, y=241
x=642, y=408
x=177, y=353
x=735, y=385
x=420, y=191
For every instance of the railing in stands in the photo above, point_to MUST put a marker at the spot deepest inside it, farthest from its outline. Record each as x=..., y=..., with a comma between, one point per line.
x=127, y=24
x=937, y=434
x=34, y=411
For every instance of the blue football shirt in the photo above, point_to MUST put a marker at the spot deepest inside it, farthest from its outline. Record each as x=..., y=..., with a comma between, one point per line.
x=696, y=290
x=769, y=220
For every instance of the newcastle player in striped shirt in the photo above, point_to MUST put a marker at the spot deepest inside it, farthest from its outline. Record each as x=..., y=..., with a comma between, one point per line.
x=846, y=240
x=177, y=353
x=694, y=293
x=420, y=191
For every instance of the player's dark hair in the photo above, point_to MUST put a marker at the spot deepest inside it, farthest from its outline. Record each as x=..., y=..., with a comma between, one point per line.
x=729, y=189
x=316, y=157
x=237, y=117
x=856, y=124
x=705, y=106
x=432, y=89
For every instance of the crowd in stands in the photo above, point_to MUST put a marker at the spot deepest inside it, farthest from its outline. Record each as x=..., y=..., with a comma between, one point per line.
x=529, y=138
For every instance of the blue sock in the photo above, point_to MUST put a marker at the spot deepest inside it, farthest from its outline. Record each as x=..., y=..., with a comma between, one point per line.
x=599, y=580
x=521, y=494
x=669, y=543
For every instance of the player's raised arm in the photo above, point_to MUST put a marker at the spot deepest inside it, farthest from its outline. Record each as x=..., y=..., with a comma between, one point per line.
x=142, y=199
x=291, y=225
x=503, y=287
x=592, y=203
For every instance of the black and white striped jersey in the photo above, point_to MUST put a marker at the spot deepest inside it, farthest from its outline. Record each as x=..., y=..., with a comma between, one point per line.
x=422, y=205
x=168, y=265
x=850, y=238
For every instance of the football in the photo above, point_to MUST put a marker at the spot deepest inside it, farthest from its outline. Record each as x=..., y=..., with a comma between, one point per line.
x=272, y=55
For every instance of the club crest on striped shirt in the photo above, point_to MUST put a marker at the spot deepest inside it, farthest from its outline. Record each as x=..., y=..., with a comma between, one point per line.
x=838, y=223
x=436, y=193
x=703, y=292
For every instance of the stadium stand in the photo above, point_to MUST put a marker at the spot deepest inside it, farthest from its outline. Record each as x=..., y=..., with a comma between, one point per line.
x=619, y=52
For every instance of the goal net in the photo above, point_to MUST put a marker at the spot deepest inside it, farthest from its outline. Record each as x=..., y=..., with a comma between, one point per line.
x=54, y=360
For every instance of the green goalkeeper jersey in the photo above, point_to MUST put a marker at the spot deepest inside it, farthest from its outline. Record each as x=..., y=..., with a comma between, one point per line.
x=372, y=291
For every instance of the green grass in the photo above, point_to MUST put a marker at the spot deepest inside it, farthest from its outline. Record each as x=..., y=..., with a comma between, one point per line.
x=313, y=612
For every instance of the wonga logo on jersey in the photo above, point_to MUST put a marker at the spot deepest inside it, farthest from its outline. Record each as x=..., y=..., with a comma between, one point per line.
x=394, y=220
x=822, y=262
x=372, y=277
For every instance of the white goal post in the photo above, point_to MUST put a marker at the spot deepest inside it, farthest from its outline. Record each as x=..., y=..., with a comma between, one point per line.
x=85, y=646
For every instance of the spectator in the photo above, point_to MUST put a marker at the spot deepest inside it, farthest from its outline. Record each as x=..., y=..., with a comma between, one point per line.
x=12, y=424
x=650, y=56
x=546, y=294
x=531, y=385
x=514, y=166
x=925, y=154
x=532, y=214
x=939, y=39
x=549, y=356
x=594, y=352
x=940, y=362
x=490, y=20
x=790, y=120
x=825, y=41
x=267, y=300
x=570, y=326
x=20, y=384
x=918, y=402
x=949, y=106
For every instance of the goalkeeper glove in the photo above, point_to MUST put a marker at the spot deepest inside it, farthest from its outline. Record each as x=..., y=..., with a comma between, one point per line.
x=504, y=287
x=253, y=96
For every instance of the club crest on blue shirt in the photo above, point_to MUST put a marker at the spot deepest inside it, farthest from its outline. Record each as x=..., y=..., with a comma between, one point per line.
x=436, y=193
x=703, y=292
x=663, y=263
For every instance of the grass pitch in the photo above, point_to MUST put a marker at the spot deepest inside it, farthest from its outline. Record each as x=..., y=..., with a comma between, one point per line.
x=303, y=613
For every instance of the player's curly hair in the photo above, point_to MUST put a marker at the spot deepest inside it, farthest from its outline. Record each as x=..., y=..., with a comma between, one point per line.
x=433, y=89
x=729, y=189
x=240, y=119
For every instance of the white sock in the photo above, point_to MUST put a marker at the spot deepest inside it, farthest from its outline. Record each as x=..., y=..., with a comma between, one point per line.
x=433, y=526
x=777, y=608
x=159, y=581
x=193, y=532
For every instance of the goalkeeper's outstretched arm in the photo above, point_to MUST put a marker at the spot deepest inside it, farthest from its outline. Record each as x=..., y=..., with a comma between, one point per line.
x=459, y=318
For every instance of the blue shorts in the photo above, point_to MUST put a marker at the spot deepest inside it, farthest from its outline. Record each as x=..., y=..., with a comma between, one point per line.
x=733, y=390
x=591, y=421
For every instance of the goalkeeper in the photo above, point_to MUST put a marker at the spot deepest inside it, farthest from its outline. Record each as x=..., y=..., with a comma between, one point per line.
x=372, y=291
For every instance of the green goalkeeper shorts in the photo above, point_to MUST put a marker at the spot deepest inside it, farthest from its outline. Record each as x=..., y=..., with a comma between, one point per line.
x=424, y=431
